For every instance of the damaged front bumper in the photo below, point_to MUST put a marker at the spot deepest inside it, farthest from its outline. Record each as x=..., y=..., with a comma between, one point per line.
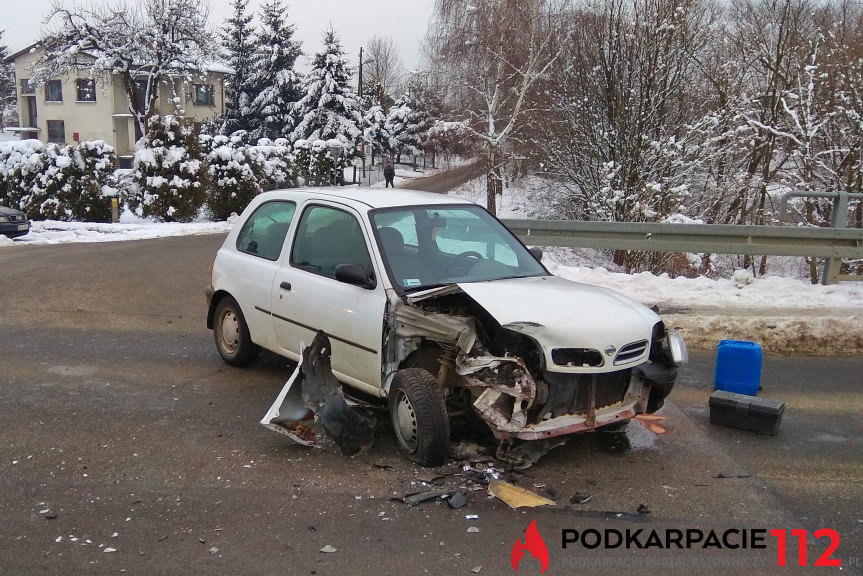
x=562, y=404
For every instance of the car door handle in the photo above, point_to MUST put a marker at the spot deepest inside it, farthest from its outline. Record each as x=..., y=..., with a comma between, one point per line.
x=285, y=286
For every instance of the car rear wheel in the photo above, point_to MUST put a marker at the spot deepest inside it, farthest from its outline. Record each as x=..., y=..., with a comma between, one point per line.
x=419, y=417
x=233, y=341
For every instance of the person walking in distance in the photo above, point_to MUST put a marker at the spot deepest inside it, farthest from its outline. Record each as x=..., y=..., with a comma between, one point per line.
x=389, y=174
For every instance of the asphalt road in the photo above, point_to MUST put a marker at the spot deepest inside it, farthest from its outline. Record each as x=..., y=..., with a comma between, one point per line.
x=127, y=446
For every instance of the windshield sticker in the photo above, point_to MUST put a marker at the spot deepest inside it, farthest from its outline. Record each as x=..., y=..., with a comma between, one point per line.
x=411, y=282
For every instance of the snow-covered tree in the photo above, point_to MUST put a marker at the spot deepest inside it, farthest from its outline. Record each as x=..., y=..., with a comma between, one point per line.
x=147, y=45
x=277, y=86
x=382, y=70
x=231, y=174
x=169, y=172
x=447, y=138
x=375, y=132
x=48, y=181
x=96, y=162
x=239, y=48
x=275, y=165
x=329, y=109
x=407, y=127
x=7, y=85
x=490, y=55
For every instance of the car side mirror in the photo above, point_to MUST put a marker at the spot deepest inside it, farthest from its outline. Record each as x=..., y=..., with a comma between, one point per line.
x=537, y=252
x=354, y=274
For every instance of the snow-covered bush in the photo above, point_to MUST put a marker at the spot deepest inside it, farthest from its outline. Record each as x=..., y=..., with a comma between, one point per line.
x=169, y=172
x=21, y=163
x=274, y=164
x=231, y=175
x=303, y=158
x=48, y=181
x=322, y=166
x=90, y=194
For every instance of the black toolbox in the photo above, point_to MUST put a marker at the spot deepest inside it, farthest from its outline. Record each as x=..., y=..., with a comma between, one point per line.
x=746, y=412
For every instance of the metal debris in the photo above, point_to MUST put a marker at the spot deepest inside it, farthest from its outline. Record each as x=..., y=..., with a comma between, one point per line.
x=579, y=498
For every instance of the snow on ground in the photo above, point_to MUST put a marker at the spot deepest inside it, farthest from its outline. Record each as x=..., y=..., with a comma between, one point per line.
x=130, y=228
x=784, y=314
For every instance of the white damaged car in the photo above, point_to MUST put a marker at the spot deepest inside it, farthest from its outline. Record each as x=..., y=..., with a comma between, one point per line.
x=437, y=310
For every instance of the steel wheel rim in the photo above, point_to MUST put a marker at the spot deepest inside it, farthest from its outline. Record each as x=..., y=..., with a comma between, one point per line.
x=229, y=334
x=405, y=421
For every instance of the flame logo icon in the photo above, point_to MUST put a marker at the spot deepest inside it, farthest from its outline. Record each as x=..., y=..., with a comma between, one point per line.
x=534, y=544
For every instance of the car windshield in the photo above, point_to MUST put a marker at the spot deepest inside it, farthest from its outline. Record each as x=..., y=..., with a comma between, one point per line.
x=428, y=246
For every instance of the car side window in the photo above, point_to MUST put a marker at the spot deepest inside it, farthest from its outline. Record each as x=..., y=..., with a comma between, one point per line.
x=263, y=233
x=327, y=237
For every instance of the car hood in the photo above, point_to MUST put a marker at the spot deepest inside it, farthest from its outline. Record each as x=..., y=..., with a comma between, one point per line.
x=558, y=313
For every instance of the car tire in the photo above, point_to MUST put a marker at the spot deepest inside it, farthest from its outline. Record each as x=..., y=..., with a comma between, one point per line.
x=418, y=413
x=231, y=333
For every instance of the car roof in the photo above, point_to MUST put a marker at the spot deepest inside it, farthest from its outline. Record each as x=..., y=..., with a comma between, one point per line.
x=371, y=197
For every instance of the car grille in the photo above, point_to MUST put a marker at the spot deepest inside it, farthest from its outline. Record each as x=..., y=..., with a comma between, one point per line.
x=576, y=357
x=17, y=218
x=631, y=352
x=570, y=393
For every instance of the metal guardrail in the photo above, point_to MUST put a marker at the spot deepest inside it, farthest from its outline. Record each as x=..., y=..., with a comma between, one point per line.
x=712, y=238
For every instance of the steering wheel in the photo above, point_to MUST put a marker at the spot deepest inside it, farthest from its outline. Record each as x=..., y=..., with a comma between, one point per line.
x=464, y=259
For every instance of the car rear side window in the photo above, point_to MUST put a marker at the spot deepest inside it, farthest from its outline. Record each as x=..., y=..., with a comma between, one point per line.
x=327, y=237
x=263, y=233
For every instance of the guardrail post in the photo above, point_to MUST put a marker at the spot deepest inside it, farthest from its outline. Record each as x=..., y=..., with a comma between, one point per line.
x=839, y=219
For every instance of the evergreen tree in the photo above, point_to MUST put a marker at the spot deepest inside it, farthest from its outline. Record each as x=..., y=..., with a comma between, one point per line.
x=7, y=84
x=276, y=83
x=237, y=37
x=330, y=108
x=408, y=127
x=231, y=174
x=169, y=171
x=378, y=137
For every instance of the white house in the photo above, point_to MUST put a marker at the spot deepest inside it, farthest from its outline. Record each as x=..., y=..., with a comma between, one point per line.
x=76, y=108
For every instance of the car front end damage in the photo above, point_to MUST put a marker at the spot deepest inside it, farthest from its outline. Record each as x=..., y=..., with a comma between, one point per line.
x=540, y=369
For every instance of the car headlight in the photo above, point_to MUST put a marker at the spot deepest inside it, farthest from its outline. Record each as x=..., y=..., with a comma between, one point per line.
x=676, y=347
x=4, y=219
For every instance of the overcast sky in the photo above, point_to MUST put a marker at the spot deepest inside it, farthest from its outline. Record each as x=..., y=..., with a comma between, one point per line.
x=355, y=21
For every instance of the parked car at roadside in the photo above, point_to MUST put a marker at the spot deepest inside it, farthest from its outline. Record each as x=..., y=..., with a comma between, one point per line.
x=436, y=310
x=13, y=223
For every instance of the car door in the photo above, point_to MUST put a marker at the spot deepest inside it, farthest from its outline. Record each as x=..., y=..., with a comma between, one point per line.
x=307, y=297
x=257, y=250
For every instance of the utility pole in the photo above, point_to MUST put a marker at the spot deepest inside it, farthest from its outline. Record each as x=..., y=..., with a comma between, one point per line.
x=360, y=87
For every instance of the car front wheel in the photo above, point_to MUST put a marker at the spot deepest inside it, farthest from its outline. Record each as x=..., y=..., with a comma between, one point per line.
x=232, y=334
x=419, y=417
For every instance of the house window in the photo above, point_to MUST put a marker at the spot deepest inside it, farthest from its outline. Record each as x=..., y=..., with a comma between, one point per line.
x=27, y=87
x=205, y=95
x=86, y=89
x=56, y=131
x=53, y=91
